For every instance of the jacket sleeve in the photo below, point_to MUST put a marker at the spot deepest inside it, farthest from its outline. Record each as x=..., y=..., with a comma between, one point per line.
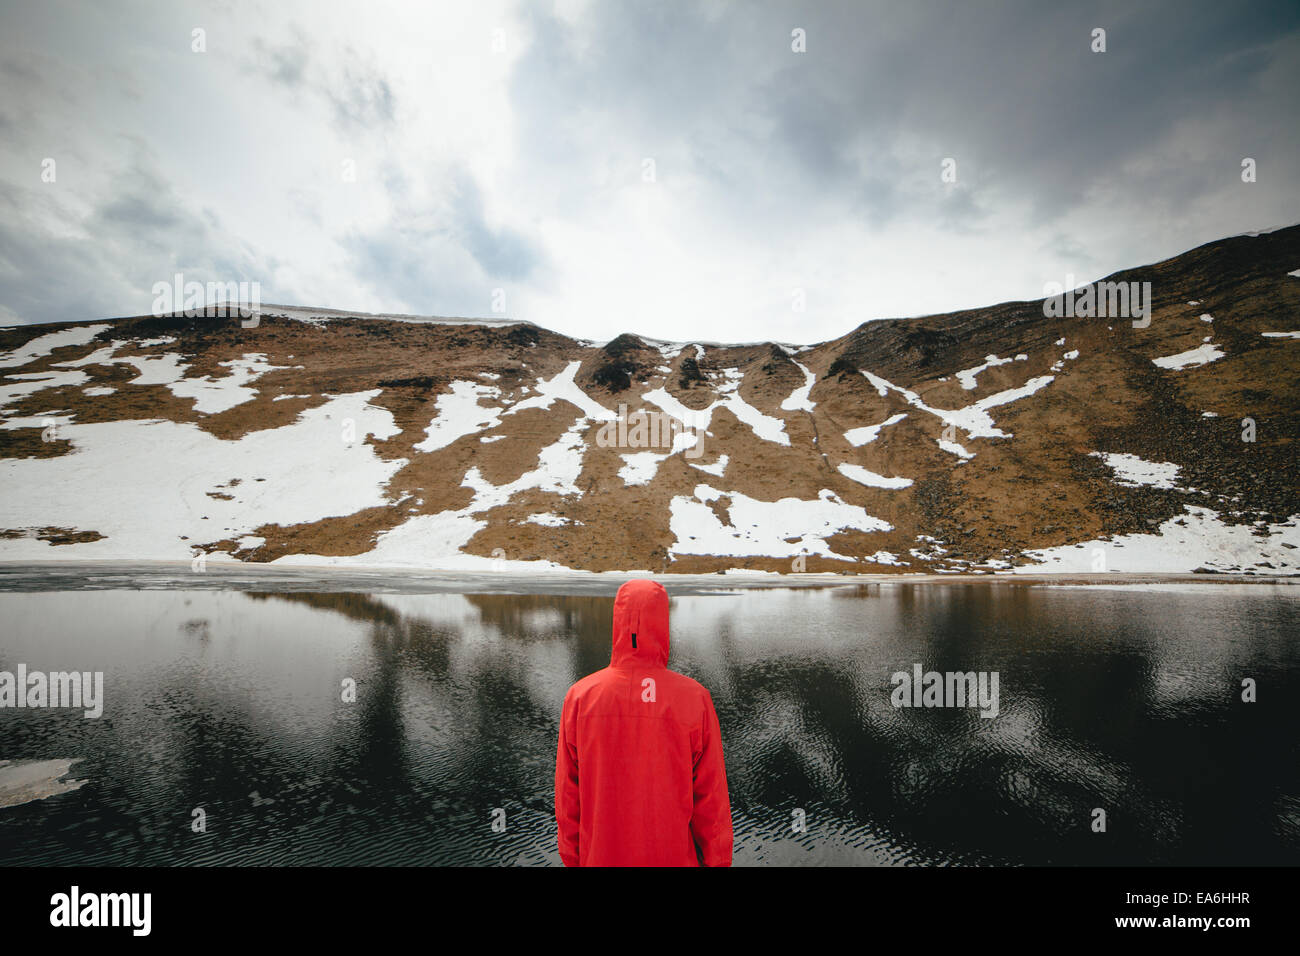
x=711, y=819
x=566, y=786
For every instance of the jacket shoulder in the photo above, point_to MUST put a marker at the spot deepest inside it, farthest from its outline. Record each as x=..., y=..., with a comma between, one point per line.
x=585, y=684
x=687, y=685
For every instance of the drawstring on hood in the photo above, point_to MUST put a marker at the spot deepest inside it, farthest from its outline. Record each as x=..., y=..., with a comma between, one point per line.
x=640, y=625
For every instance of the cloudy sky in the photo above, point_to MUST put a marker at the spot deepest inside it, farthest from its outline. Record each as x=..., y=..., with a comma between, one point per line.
x=671, y=168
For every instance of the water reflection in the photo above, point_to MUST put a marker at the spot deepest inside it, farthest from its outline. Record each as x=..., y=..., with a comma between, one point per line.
x=233, y=703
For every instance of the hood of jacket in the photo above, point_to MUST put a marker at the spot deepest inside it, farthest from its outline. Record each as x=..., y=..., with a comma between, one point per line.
x=640, y=625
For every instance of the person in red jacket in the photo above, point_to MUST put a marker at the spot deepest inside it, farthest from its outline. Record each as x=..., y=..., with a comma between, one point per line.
x=639, y=776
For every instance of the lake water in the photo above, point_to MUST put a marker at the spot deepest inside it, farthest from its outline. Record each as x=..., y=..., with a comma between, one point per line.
x=229, y=702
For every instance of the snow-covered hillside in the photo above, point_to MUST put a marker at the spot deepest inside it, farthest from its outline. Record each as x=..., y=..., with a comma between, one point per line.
x=988, y=440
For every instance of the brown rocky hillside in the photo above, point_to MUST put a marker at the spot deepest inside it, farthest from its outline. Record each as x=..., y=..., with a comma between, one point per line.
x=962, y=441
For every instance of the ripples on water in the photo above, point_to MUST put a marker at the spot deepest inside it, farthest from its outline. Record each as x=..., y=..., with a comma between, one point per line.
x=230, y=701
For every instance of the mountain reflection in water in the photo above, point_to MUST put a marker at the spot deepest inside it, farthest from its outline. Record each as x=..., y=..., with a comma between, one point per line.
x=231, y=702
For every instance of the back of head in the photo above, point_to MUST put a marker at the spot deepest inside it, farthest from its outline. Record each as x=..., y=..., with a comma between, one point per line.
x=640, y=625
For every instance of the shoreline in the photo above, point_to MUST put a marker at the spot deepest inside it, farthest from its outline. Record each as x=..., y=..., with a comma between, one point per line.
x=16, y=577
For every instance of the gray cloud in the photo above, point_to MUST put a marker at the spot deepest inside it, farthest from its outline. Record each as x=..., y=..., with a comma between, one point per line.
x=501, y=253
x=445, y=260
x=395, y=264
x=1012, y=91
x=358, y=92
x=287, y=64
x=140, y=235
x=777, y=149
x=364, y=98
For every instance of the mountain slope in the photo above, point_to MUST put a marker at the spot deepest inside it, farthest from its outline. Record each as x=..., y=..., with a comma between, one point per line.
x=985, y=439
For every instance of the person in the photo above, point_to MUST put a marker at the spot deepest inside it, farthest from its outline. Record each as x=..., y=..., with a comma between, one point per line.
x=639, y=773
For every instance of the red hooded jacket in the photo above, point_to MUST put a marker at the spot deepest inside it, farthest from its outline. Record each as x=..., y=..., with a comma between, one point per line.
x=639, y=777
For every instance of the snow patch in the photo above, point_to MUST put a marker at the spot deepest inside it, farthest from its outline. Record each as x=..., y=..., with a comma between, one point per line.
x=22, y=384
x=857, y=437
x=167, y=369
x=549, y=520
x=1201, y=355
x=460, y=414
x=153, y=505
x=967, y=376
x=43, y=345
x=798, y=400
x=953, y=448
x=163, y=369
x=640, y=468
x=562, y=387
x=1195, y=539
x=1134, y=472
x=883, y=557
x=558, y=466
x=973, y=419
x=213, y=396
x=763, y=527
x=717, y=468
x=869, y=478
x=1069, y=356
x=764, y=426
x=439, y=540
